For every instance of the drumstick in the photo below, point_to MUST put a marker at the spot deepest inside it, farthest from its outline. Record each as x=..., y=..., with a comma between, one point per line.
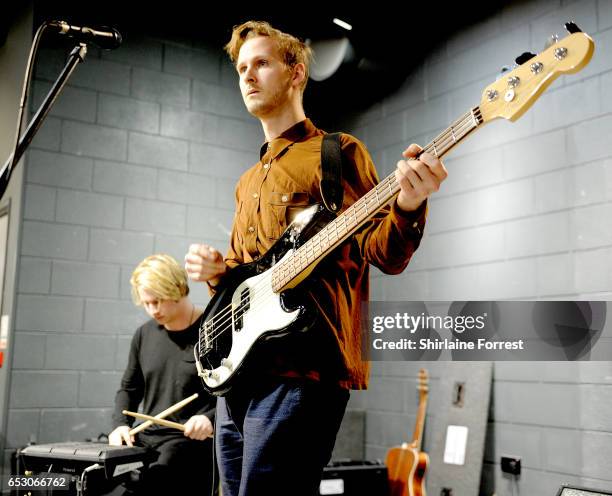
x=165, y=413
x=155, y=420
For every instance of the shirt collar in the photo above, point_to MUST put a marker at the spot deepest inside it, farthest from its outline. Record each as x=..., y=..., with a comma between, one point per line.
x=295, y=133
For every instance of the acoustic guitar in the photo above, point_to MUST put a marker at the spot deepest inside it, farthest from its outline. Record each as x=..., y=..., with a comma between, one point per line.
x=407, y=464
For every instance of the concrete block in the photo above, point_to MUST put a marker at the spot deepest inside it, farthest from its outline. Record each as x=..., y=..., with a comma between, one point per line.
x=593, y=270
x=592, y=183
x=28, y=351
x=221, y=162
x=119, y=246
x=220, y=100
x=511, y=279
x=469, y=246
x=387, y=131
x=426, y=118
x=552, y=111
x=155, y=216
x=411, y=92
x=588, y=141
x=54, y=240
x=519, y=440
x=604, y=15
x=192, y=189
x=48, y=136
x=68, y=424
x=56, y=169
x=91, y=209
x=137, y=51
x=122, y=352
x=78, y=352
x=387, y=394
x=210, y=224
x=98, y=389
x=113, y=316
x=555, y=274
x=124, y=179
x=22, y=427
x=546, y=152
x=553, y=191
x=50, y=62
x=127, y=113
x=604, y=92
x=53, y=313
x=39, y=203
x=176, y=246
x=34, y=275
x=73, y=103
x=160, y=87
x=225, y=193
x=103, y=75
x=94, y=141
x=50, y=389
x=85, y=279
x=198, y=64
x=590, y=228
x=538, y=235
x=157, y=151
x=473, y=171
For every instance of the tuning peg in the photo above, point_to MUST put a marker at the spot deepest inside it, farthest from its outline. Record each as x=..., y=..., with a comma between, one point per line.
x=572, y=28
x=504, y=69
x=551, y=41
x=524, y=57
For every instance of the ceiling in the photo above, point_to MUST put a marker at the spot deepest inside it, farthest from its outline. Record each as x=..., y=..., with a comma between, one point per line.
x=389, y=41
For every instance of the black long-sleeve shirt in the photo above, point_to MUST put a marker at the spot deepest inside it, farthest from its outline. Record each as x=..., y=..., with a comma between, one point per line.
x=161, y=372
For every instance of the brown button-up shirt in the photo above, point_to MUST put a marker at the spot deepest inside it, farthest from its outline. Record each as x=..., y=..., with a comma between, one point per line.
x=268, y=196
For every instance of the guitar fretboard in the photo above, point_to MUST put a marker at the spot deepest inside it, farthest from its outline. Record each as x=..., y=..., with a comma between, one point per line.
x=343, y=226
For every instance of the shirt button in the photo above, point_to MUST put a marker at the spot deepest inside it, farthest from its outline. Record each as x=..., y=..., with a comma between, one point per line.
x=266, y=166
x=251, y=229
x=284, y=198
x=415, y=224
x=255, y=195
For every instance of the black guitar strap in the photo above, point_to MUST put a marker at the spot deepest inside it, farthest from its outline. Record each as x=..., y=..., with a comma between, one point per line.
x=331, y=172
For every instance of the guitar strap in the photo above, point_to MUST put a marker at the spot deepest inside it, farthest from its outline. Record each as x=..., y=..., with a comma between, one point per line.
x=331, y=172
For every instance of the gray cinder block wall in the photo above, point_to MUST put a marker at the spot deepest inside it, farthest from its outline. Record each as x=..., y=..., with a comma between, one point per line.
x=140, y=155
x=524, y=214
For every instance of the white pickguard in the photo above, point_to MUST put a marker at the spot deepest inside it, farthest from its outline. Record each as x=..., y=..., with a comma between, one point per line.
x=265, y=314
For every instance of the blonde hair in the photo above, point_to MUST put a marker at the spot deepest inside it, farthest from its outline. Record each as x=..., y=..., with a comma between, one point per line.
x=162, y=276
x=292, y=50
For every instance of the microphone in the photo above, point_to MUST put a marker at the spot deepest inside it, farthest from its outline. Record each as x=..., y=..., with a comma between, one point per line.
x=106, y=38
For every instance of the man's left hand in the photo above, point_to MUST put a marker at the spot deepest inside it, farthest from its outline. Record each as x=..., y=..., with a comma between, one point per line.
x=418, y=178
x=198, y=427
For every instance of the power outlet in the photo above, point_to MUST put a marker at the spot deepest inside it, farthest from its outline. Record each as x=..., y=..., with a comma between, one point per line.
x=511, y=465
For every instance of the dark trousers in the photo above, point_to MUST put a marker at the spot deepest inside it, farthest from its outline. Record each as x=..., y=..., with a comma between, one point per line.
x=275, y=439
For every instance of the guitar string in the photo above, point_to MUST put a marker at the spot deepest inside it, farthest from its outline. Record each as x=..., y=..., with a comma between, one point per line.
x=447, y=137
x=256, y=290
x=255, y=293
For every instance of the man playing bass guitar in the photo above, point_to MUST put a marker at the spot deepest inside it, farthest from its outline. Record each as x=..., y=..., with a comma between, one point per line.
x=276, y=427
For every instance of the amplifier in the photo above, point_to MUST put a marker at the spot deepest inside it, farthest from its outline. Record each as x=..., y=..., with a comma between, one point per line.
x=355, y=478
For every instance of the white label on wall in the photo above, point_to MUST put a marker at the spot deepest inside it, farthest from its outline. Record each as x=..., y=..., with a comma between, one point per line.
x=456, y=442
x=4, y=327
x=332, y=486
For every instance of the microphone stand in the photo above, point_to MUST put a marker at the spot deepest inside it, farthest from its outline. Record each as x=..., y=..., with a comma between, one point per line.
x=76, y=56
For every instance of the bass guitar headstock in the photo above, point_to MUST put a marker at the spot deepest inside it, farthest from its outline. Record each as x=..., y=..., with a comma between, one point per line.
x=511, y=95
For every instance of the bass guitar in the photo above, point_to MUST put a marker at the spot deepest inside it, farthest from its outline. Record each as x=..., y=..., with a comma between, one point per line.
x=252, y=303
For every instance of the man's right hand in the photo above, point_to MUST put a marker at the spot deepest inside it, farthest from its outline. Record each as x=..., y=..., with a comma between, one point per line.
x=120, y=435
x=204, y=263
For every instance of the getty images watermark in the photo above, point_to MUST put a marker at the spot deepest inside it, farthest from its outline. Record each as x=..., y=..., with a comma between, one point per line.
x=487, y=330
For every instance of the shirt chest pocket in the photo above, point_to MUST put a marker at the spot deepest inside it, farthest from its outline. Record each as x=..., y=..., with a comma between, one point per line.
x=284, y=206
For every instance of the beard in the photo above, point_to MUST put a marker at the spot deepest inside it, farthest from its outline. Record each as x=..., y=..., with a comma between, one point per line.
x=266, y=102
